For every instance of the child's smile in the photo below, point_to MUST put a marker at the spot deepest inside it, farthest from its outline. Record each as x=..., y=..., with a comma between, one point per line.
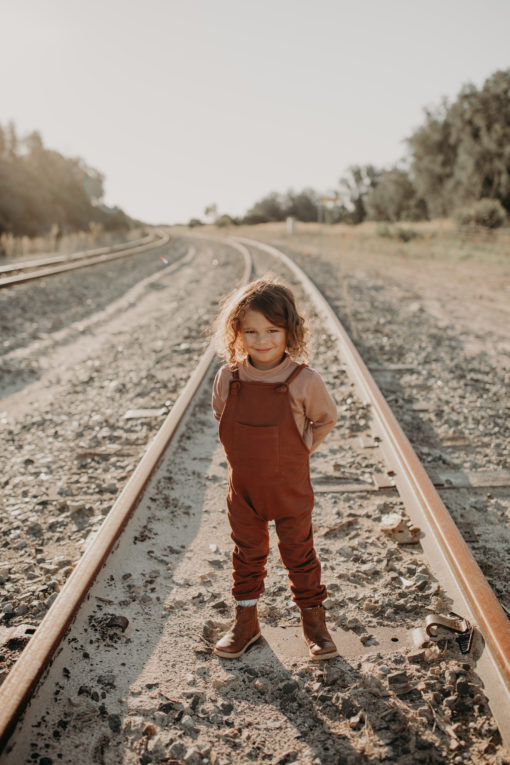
x=264, y=342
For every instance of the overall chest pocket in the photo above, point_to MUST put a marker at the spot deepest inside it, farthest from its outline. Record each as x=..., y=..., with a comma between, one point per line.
x=257, y=447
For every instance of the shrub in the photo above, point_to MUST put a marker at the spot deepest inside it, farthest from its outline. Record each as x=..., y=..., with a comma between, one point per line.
x=384, y=230
x=463, y=216
x=394, y=232
x=195, y=222
x=488, y=213
x=225, y=220
x=406, y=234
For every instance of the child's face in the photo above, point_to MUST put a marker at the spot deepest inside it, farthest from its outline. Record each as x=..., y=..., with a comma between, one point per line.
x=264, y=342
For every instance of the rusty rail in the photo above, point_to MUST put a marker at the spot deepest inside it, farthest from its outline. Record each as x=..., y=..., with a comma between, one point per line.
x=24, y=676
x=78, y=260
x=449, y=556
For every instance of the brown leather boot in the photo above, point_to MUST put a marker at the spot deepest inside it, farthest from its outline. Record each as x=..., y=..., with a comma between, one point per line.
x=243, y=633
x=320, y=643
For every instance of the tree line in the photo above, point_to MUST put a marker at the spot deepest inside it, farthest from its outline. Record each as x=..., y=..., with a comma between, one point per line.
x=457, y=164
x=41, y=189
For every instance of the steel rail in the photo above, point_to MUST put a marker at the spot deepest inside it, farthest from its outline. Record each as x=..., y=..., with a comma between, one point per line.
x=66, y=257
x=448, y=553
x=21, y=682
x=9, y=281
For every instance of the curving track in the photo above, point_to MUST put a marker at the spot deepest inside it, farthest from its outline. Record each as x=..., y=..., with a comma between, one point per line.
x=40, y=268
x=160, y=626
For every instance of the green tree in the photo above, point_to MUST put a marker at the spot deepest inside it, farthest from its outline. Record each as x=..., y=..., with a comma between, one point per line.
x=40, y=188
x=461, y=153
x=433, y=160
x=91, y=180
x=211, y=211
x=395, y=198
x=12, y=143
x=34, y=144
x=355, y=186
x=302, y=205
x=269, y=208
x=480, y=123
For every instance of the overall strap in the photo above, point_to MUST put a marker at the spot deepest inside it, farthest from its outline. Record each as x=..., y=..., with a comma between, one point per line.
x=295, y=373
x=235, y=383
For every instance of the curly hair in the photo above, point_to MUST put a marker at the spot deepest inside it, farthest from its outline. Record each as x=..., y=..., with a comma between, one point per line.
x=272, y=299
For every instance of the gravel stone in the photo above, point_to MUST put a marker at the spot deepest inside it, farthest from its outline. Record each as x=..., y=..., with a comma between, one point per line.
x=173, y=698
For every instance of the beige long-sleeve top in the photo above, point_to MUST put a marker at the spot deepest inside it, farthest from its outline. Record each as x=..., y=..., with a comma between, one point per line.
x=313, y=408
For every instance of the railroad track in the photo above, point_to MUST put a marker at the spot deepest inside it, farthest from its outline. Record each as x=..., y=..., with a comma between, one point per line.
x=107, y=652
x=40, y=268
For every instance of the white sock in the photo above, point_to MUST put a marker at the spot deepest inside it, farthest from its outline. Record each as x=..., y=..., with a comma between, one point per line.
x=247, y=602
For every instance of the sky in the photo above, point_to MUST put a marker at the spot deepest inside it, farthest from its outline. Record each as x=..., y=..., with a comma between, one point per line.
x=182, y=104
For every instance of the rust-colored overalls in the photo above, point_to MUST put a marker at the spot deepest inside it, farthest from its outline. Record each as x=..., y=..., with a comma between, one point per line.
x=269, y=479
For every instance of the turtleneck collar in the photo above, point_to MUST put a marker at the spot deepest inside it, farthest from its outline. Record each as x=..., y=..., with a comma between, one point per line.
x=260, y=374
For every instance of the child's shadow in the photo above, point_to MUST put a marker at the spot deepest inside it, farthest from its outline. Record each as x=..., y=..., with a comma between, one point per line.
x=320, y=708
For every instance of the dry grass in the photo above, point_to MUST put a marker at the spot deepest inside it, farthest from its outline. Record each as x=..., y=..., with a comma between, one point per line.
x=433, y=240
x=18, y=246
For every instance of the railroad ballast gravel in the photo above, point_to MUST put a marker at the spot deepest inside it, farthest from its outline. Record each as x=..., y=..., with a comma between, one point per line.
x=71, y=435
x=395, y=707
x=436, y=337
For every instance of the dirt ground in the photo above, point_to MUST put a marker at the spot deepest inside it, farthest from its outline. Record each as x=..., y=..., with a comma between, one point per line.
x=158, y=694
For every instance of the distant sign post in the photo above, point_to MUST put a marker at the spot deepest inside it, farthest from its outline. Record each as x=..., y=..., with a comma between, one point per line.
x=327, y=203
x=291, y=225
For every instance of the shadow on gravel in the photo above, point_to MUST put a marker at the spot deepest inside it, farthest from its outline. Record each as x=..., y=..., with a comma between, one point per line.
x=132, y=634
x=15, y=377
x=330, y=704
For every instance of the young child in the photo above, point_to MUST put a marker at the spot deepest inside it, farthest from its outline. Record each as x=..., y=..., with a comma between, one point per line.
x=273, y=413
